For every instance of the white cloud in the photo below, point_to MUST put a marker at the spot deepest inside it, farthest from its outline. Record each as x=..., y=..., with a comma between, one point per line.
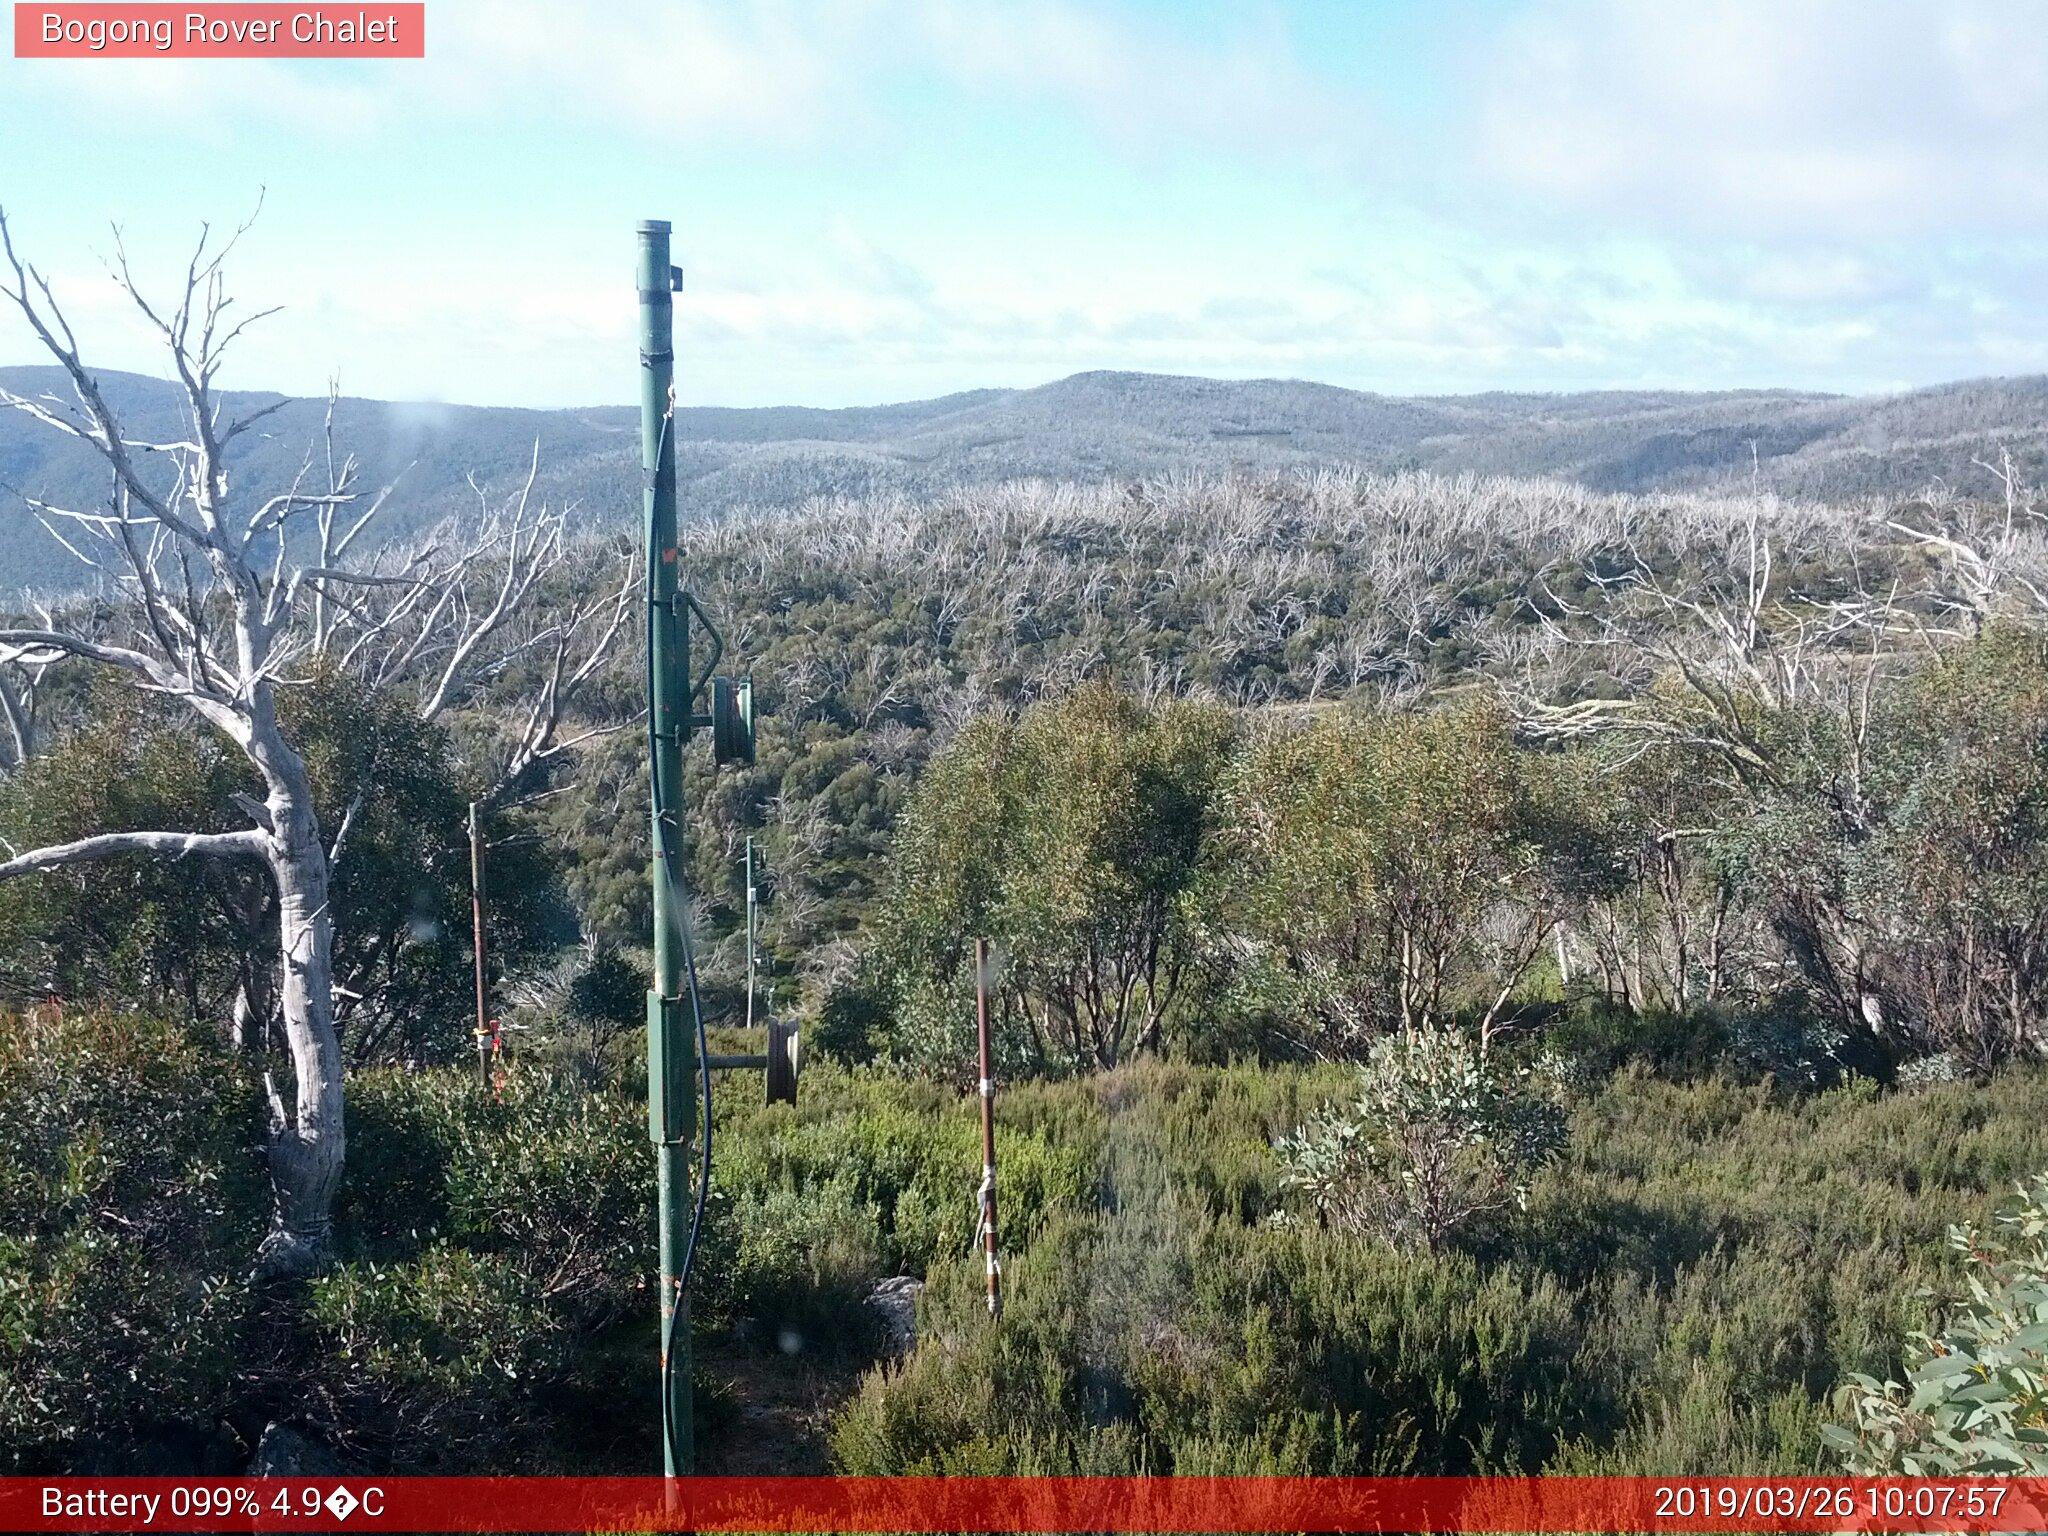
x=1718, y=191
x=1774, y=118
x=1150, y=89
x=768, y=73
x=774, y=72
x=1809, y=275
x=805, y=75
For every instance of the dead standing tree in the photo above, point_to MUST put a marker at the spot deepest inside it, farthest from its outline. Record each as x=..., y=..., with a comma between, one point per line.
x=19, y=680
x=221, y=611
x=1762, y=703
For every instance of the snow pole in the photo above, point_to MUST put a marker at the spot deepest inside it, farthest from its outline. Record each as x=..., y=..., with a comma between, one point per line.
x=988, y=1131
x=476, y=924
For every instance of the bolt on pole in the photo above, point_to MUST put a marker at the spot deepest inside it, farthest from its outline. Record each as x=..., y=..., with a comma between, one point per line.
x=671, y=1048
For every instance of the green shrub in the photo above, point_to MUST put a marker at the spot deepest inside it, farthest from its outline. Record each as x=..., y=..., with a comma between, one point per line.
x=433, y=1364
x=131, y=1200
x=1975, y=1398
x=1390, y=869
x=496, y=1310
x=1440, y=1131
x=1071, y=837
x=794, y=1264
x=550, y=1173
x=469, y=1216
x=898, y=1158
x=1695, y=1270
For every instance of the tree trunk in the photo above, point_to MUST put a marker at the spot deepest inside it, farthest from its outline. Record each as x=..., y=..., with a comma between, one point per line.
x=307, y=1139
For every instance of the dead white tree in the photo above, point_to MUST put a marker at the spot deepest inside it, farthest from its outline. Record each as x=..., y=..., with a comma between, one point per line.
x=227, y=601
x=21, y=676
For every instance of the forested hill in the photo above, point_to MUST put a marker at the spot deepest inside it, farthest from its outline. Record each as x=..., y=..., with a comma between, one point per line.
x=1089, y=427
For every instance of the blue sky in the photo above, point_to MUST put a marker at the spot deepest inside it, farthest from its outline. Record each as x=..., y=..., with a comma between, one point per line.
x=888, y=199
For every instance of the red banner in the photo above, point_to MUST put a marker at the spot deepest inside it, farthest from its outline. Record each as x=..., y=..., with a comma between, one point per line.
x=239, y=31
x=1558, y=1504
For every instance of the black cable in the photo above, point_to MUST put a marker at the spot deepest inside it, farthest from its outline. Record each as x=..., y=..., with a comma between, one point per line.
x=668, y=1354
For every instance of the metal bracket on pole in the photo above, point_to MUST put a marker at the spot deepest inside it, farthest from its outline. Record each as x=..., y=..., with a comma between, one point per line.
x=671, y=1072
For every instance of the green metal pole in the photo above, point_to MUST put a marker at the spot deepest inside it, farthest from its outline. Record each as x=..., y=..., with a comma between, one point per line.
x=671, y=1046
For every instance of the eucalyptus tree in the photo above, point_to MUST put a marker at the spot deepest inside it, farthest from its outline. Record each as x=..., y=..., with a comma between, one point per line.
x=1392, y=871
x=1071, y=837
x=228, y=594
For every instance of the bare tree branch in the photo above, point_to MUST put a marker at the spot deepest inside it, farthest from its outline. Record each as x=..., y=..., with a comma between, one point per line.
x=169, y=845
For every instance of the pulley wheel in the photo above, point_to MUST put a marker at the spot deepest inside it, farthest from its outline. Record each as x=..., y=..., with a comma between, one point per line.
x=732, y=720
x=784, y=1057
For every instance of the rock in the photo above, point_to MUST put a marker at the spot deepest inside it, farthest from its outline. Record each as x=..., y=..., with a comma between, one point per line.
x=895, y=1301
x=284, y=1452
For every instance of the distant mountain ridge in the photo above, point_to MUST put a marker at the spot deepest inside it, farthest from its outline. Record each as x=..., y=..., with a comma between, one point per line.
x=1090, y=426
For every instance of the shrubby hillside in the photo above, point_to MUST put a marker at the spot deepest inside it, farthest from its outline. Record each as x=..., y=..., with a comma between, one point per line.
x=1493, y=975
x=1687, y=1285
x=876, y=631
x=1095, y=426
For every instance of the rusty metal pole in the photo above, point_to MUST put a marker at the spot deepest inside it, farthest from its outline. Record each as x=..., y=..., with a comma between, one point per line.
x=988, y=1132
x=476, y=917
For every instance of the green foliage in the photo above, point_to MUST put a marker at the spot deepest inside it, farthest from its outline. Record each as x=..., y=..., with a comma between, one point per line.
x=1975, y=1398
x=890, y=1164
x=1694, y=1273
x=1699, y=1263
x=494, y=1314
x=1381, y=870
x=1783, y=1039
x=1658, y=936
x=130, y=1201
x=1696, y=1269
x=578, y=1010
x=1439, y=1132
x=187, y=935
x=155, y=933
x=438, y=1354
x=1672, y=875
x=1801, y=888
x=1878, y=837
x=1959, y=880
x=543, y=1173
x=495, y=1245
x=609, y=989
x=1157, y=874
x=599, y=830
x=1071, y=839
x=402, y=944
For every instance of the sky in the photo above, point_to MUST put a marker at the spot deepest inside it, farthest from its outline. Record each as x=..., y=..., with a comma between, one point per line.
x=882, y=200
